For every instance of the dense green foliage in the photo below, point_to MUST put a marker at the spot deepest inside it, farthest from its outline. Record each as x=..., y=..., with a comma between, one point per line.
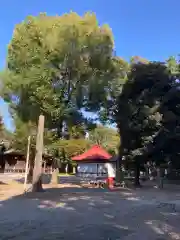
x=108, y=138
x=64, y=149
x=147, y=115
x=5, y=135
x=60, y=65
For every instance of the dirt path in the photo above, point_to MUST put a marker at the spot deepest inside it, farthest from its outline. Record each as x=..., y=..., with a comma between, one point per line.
x=78, y=214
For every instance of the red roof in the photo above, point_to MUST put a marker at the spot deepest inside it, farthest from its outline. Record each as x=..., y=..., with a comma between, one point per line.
x=96, y=152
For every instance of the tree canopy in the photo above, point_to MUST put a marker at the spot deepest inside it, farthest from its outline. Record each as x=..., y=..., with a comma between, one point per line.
x=145, y=115
x=57, y=65
x=107, y=137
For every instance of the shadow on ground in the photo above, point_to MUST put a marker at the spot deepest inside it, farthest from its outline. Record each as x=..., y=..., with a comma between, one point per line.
x=88, y=213
x=46, y=179
x=60, y=214
x=3, y=183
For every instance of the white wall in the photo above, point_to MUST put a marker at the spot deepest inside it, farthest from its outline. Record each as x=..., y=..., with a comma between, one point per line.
x=110, y=169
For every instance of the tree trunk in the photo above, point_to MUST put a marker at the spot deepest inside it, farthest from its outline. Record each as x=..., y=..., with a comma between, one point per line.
x=118, y=169
x=118, y=165
x=30, y=174
x=2, y=164
x=137, y=175
x=2, y=158
x=37, y=173
x=59, y=129
x=37, y=186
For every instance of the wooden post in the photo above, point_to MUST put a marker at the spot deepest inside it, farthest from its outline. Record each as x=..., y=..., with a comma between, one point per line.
x=37, y=172
x=27, y=163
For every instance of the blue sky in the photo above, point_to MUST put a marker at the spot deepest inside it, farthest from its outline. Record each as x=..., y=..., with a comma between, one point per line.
x=146, y=28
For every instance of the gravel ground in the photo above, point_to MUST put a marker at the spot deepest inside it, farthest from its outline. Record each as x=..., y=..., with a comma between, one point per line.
x=91, y=214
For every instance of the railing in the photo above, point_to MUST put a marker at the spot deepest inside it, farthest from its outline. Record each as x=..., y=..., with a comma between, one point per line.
x=14, y=169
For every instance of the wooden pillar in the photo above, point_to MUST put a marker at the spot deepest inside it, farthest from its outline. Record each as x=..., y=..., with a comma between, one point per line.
x=37, y=172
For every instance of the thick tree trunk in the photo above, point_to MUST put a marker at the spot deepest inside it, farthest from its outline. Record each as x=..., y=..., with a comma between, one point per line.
x=37, y=172
x=2, y=158
x=37, y=186
x=119, y=165
x=2, y=164
x=60, y=129
x=137, y=175
x=118, y=169
x=30, y=175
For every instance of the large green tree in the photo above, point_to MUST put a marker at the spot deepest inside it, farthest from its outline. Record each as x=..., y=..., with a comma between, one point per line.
x=58, y=64
x=139, y=115
x=167, y=141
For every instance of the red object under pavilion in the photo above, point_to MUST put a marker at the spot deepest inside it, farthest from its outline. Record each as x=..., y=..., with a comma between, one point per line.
x=95, y=152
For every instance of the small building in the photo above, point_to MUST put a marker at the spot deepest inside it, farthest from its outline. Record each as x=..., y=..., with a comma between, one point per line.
x=15, y=161
x=10, y=159
x=95, y=162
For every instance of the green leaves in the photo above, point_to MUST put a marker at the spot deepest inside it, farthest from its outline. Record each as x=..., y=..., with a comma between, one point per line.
x=21, y=134
x=60, y=63
x=106, y=137
x=139, y=115
x=173, y=66
x=66, y=149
